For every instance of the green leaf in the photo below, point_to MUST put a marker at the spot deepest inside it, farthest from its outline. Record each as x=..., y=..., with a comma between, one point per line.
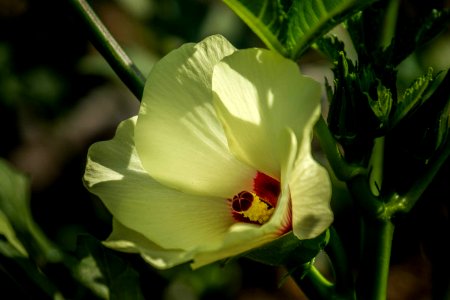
x=411, y=33
x=436, y=111
x=24, y=249
x=443, y=126
x=331, y=47
x=381, y=106
x=8, y=232
x=413, y=96
x=288, y=249
x=291, y=27
x=351, y=117
x=105, y=273
x=14, y=204
x=419, y=138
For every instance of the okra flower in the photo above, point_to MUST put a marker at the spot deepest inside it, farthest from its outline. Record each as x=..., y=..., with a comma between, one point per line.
x=218, y=160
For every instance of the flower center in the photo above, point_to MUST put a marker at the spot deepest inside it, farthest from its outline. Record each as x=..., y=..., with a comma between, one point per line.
x=256, y=206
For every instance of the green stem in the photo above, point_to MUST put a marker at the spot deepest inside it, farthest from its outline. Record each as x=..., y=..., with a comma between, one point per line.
x=390, y=23
x=376, y=166
x=314, y=285
x=373, y=276
x=343, y=276
x=127, y=71
x=377, y=229
x=407, y=201
x=341, y=168
x=370, y=205
x=377, y=157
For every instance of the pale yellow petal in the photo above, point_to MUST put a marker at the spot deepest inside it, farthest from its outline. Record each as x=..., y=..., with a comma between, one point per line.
x=178, y=137
x=168, y=217
x=127, y=240
x=258, y=94
x=310, y=188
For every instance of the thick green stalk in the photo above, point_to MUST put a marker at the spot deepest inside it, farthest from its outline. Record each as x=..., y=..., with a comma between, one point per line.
x=124, y=67
x=373, y=275
x=376, y=166
x=370, y=206
x=377, y=158
x=377, y=228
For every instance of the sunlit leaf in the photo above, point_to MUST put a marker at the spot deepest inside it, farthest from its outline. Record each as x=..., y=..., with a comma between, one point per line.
x=290, y=27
